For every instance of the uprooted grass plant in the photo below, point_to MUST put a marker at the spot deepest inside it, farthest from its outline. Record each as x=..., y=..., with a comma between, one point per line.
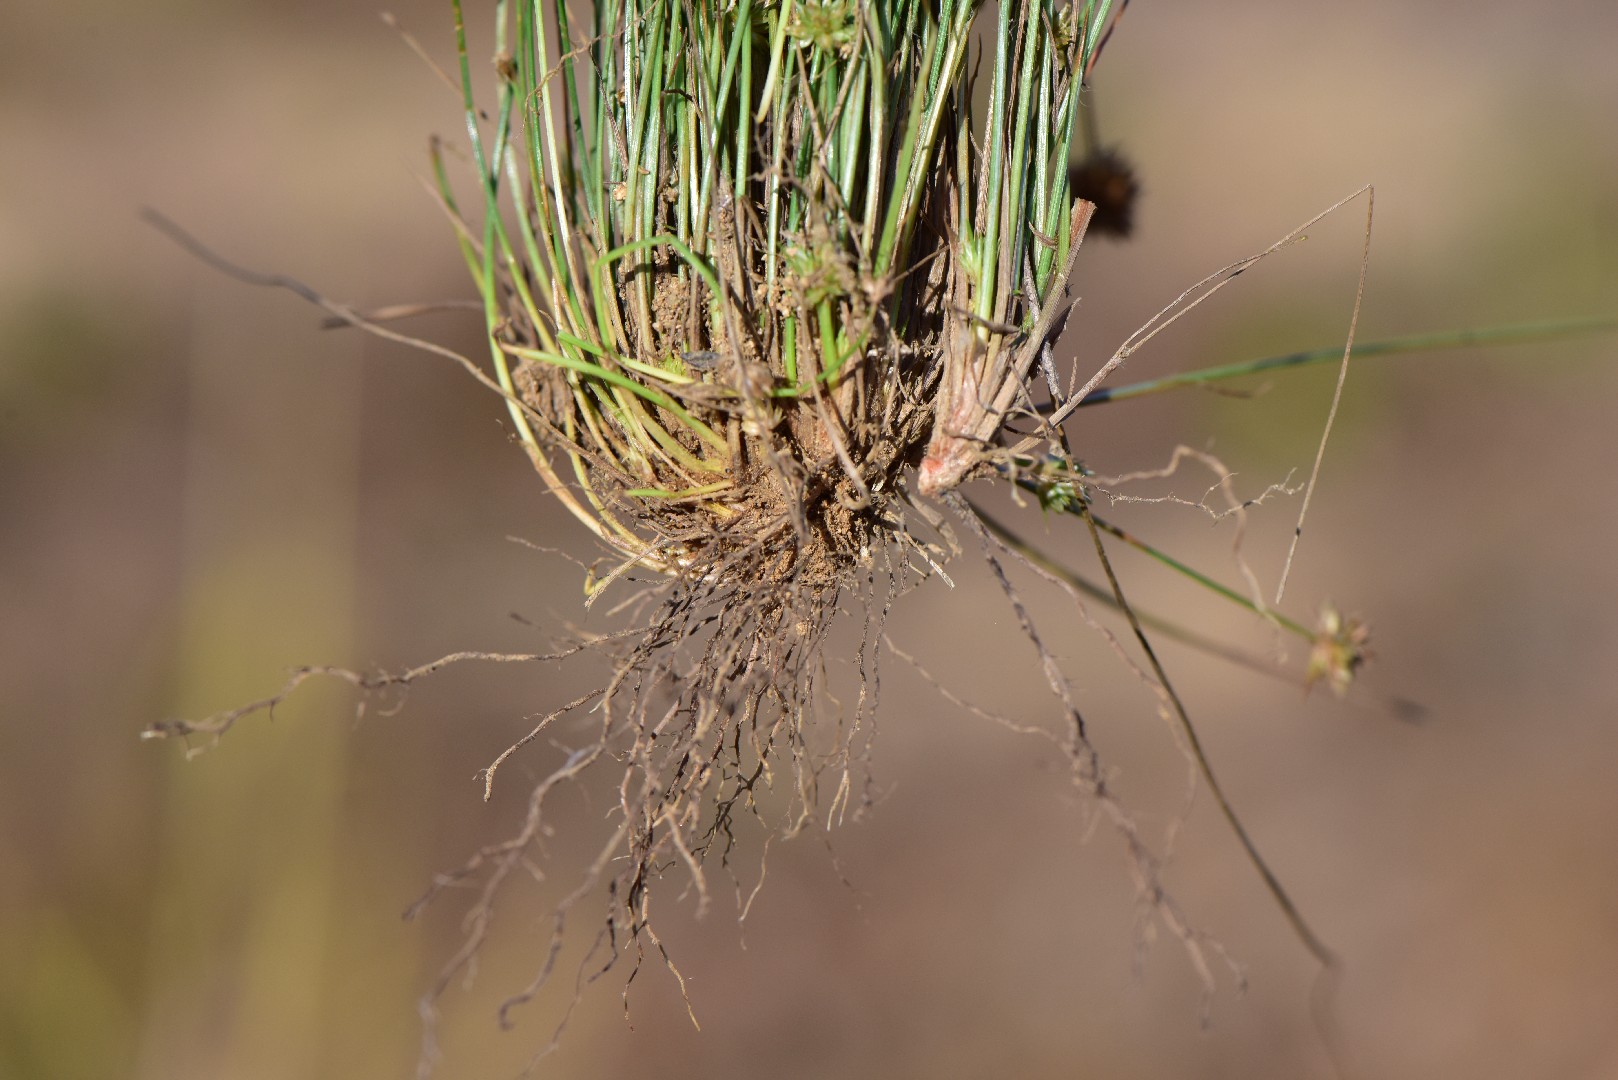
x=764, y=283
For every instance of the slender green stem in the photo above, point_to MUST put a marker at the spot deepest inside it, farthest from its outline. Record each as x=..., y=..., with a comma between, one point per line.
x=1511, y=334
x=1079, y=507
x=1082, y=510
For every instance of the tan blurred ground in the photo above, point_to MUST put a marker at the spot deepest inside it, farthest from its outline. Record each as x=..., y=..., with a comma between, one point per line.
x=200, y=488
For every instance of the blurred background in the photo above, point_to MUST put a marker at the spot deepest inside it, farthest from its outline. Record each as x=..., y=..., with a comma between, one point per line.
x=200, y=488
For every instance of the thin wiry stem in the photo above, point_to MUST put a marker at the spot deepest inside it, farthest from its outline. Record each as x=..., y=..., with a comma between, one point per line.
x=1336, y=398
x=1300, y=926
